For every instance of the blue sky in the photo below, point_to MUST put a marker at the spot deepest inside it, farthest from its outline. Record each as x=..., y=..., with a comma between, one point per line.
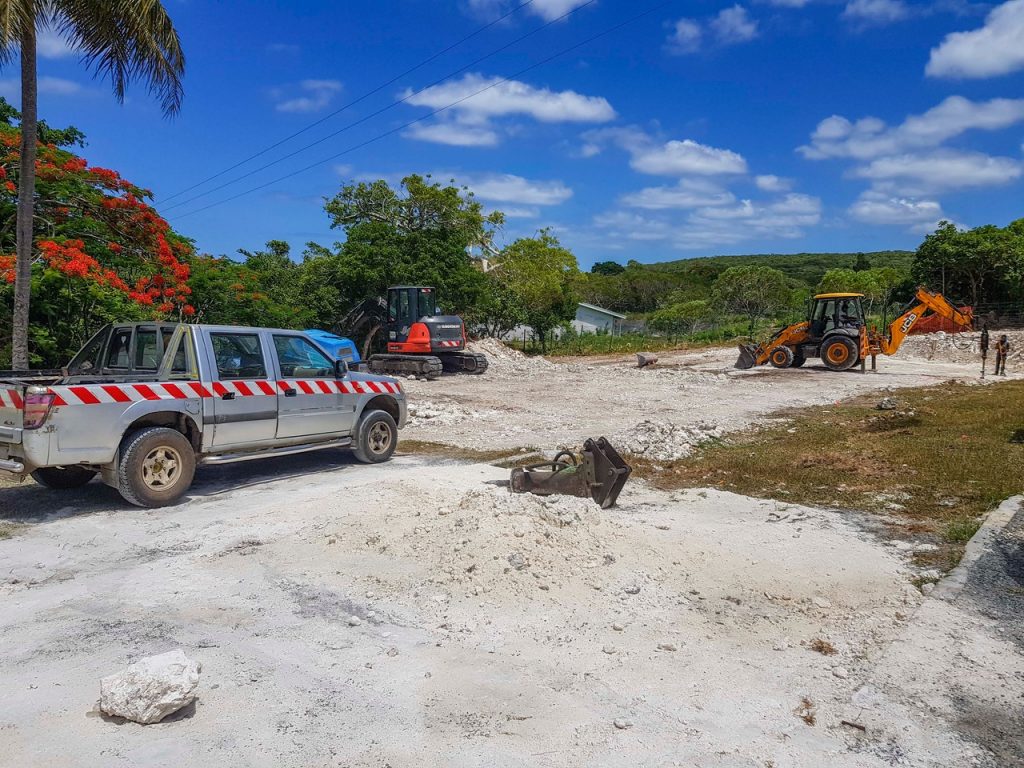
x=702, y=128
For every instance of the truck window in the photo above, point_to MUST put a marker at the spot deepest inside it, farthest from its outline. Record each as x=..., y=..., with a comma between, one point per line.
x=427, y=303
x=147, y=350
x=301, y=360
x=119, y=349
x=238, y=355
x=89, y=359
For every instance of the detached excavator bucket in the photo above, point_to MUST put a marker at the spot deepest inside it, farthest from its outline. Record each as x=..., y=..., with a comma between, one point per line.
x=748, y=356
x=599, y=474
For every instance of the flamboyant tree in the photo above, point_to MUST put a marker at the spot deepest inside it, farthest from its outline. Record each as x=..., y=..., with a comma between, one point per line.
x=97, y=240
x=121, y=40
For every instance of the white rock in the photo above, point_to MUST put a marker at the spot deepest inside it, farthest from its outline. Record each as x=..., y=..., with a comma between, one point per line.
x=822, y=602
x=618, y=627
x=354, y=621
x=622, y=724
x=840, y=672
x=152, y=688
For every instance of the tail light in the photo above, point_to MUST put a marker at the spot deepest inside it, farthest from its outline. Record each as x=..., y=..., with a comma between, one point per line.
x=36, y=408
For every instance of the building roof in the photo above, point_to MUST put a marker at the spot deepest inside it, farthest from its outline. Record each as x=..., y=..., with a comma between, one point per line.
x=602, y=310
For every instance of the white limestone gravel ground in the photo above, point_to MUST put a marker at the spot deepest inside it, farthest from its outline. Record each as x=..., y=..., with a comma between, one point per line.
x=416, y=614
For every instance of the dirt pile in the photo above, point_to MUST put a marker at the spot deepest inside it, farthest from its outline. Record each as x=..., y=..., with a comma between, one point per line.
x=961, y=348
x=431, y=412
x=505, y=361
x=664, y=441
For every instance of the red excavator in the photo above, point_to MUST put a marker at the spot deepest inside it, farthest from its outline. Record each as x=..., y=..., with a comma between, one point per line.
x=417, y=339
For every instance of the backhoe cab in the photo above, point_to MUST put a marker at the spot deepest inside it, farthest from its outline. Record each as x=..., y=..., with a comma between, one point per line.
x=836, y=331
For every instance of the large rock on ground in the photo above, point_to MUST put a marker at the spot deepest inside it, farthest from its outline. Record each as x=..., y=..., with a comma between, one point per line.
x=151, y=689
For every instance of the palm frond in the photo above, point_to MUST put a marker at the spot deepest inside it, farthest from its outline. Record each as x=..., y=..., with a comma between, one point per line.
x=125, y=41
x=15, y=17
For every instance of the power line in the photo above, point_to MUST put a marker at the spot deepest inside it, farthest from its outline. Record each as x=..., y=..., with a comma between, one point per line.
x=351, y=104
x=438, y=111
x=380, y=111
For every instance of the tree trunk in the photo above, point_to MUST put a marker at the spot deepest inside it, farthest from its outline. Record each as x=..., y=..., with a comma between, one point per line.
x=26, y=201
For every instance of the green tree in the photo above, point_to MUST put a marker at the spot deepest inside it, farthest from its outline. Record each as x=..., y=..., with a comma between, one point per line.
x=683, y=317
x=752, y=291
x=970, y=264
x=122, y=40
x=541, y=277
x=607, y=268
x=861, y=263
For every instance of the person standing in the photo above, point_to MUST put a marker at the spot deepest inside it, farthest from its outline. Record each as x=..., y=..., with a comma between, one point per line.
x=984, y=348
x=1002, y=352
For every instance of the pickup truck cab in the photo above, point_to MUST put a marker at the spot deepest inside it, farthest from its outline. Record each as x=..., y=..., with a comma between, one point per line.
x=142, y=404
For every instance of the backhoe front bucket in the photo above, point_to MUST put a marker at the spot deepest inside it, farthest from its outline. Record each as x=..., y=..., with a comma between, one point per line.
x=748, y=356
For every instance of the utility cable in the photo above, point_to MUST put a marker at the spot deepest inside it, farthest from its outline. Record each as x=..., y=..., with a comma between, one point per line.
x=438, y=111
x=352, y=103
x=380, y=111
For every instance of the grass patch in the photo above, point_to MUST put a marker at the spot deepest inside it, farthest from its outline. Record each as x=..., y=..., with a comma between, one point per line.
x=7, y=530
x=424, y=448
x=931, y=468
x=961, y=531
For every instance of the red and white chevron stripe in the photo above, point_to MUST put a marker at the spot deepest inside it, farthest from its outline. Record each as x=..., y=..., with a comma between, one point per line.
x=449, y=343
x=9, y=398
x=99, y=394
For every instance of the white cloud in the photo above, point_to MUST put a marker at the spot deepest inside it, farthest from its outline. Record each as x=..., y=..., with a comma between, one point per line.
x=549, y=10
x=733, y=25
x=453, y=134
x=50, y=86
x=478, y=100
x=942, y=169
x=688, y=193
x=717, y=226
x=685, y=38
x=997, y=48
x=789, y=3
x=876, y=12
x=870, y=137
x=508, y=188
x=517, y=212
x=769, y=183
x=317, y=95
x=671, y=158
x=878, y=209
x=501, y=99
x=50, y=45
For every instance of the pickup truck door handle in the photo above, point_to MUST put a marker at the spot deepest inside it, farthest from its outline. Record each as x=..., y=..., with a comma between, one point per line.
x=290, y=393
x=228, y=396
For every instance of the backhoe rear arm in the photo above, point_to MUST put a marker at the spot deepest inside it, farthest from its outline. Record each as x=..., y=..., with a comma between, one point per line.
x=900, y=327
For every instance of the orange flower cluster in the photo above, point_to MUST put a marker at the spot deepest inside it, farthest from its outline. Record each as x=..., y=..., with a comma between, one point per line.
x=103, y=231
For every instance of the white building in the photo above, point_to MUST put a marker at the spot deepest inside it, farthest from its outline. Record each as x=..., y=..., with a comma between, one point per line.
x=593, y=319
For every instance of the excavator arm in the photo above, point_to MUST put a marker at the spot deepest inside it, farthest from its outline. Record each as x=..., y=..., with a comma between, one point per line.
x=926, y=301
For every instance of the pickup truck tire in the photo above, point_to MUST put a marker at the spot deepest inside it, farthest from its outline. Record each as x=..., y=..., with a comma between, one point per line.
x=63, y=478
x=376, y=438
x=157, y=467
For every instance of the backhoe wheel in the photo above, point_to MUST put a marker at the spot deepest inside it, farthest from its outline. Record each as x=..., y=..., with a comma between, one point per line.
x=376, y=438
x=157, y=467
x=781, y=357
x=798, y=360
x=839, y=353
x=63, y=478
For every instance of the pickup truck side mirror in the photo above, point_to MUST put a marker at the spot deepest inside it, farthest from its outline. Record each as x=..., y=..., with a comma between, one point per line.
x=340, y=369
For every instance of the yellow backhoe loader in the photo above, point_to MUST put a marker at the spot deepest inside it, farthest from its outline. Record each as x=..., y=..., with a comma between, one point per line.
x=836, y=331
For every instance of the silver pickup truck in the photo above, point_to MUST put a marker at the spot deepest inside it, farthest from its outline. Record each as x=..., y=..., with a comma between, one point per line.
x=144, y=403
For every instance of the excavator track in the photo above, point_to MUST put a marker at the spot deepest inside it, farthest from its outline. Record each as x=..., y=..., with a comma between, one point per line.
x=463, y=362
x=424, y=366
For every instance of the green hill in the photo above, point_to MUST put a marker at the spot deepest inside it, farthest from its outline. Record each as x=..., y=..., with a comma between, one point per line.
x=802, y=268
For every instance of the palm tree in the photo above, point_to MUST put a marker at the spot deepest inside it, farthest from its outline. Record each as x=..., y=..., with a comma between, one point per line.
x=122, y=40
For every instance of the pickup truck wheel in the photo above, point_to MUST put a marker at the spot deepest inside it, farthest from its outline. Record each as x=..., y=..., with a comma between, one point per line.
x=376, y=438
x=157, y=467
x=63, y=478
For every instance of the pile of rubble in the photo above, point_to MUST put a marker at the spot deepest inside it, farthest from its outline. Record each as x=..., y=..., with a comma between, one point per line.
x=961, y=348
x=505, y=361
x=427, y=412
x=664, y=441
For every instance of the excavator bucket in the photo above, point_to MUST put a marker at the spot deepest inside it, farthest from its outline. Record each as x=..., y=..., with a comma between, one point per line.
x=599, y=473
x=748, y=356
